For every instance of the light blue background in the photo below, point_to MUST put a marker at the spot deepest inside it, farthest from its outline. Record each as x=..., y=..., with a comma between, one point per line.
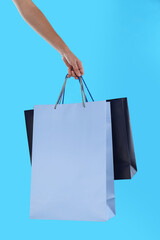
x=118, y=42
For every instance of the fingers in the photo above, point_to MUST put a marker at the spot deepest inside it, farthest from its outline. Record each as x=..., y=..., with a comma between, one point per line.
x=69, y=71
x=76, y=69
x=74, y=75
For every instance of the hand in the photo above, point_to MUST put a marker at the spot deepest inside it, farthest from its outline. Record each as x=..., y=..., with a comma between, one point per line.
x=75, y=67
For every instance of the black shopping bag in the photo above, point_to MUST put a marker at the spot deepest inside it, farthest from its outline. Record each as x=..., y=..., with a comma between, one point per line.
x=123, y=148
x=29, y=114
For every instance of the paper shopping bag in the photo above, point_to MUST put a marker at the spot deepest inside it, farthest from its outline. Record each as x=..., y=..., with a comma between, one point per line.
x=72, y=162
x=125, y=165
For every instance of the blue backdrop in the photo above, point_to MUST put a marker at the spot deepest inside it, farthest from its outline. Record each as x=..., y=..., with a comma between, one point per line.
x=118, y=42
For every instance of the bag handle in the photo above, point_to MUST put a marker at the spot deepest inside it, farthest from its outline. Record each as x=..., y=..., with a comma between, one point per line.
x=86, y=88
x=61, y=95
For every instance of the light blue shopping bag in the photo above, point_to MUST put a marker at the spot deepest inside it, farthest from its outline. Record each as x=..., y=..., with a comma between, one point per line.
x=72, y=161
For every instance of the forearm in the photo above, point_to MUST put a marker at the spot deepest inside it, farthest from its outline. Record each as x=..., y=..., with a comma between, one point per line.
x=35, y=18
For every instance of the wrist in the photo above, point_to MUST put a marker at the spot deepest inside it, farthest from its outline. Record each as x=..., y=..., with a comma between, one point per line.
x=64, y=50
